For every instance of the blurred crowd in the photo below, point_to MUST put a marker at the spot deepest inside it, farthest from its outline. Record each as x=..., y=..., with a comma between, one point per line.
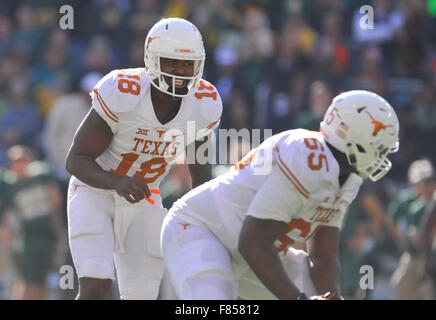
x=276, y=64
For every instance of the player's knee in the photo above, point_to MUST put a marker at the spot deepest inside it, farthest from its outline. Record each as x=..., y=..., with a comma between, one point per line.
x=94, y=289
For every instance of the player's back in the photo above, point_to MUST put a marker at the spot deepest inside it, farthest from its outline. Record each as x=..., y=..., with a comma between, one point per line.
x=304, y=166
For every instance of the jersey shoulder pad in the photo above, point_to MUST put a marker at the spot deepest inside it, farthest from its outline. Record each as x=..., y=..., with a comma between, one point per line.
x=303, y=159
x=121, y=90
x=206, y=96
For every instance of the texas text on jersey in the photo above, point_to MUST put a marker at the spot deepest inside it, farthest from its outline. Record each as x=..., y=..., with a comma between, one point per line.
x=122, y=98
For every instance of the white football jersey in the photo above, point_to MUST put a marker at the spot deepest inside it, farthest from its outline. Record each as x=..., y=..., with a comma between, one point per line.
x=291, y=177
x=141, y=145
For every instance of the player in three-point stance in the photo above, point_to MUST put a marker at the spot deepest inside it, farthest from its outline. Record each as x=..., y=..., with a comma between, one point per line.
x=233, y=235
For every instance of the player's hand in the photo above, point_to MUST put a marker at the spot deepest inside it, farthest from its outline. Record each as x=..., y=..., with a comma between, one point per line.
x=331, y=295
x=131, y=188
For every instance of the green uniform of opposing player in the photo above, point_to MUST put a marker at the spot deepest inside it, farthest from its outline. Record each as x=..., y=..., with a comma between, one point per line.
x=35, y=202
x=36, y=243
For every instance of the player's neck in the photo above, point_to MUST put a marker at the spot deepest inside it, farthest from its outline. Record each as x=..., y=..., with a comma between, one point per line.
x=163, y=102
x=344, y=168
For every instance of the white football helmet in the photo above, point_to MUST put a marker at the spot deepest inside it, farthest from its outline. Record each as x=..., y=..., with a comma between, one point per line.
x=173, y=38
x=363, y=126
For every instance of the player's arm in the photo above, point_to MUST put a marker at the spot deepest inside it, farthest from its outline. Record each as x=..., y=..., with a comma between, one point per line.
x=90, y=141
x=200, y=172
x=325, y=268
x=256, y=244
x=210, y=109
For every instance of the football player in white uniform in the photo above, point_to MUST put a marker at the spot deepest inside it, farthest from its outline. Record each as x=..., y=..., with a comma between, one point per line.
x=231, y=236
x=120, y=154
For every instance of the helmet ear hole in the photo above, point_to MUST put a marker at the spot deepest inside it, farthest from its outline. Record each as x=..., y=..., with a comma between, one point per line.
x=360, y=148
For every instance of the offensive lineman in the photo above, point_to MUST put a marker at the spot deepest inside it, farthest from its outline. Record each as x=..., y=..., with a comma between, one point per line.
x=230, y=237
x=120, y=154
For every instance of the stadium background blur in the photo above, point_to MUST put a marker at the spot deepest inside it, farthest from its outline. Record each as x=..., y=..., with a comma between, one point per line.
x=276, y=64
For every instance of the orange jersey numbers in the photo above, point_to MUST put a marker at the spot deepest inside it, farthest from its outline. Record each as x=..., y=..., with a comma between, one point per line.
x=207, y=87
x=302, y=225
x=129, y=86
x=155, y=167
x=315, y=160
x=241, y=164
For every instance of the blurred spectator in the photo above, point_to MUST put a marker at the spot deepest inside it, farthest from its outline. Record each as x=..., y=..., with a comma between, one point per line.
x=53, y=76
x=62, y=122
x=139, y=18
x=421, y=126
x=296, y=32
x=333, y=54
x=6, y=41
x=110, y=17
x=21, y=122
x=362, y=242
x=428, y=231
x=28, y=34
x=319, y=100
x=98, y=56
x=281, y=94
x=226, y=59
x=371, y=76
x=238, y=114
x=36, y=201
x=177, y=8
x=256, y=46
x=6, y=274
x=409, y=278
x=412, y=41
x=135, y=57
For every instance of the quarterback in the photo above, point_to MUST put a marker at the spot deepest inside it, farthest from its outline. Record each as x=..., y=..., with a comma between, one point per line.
x=122, y=151
x=233, y=236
